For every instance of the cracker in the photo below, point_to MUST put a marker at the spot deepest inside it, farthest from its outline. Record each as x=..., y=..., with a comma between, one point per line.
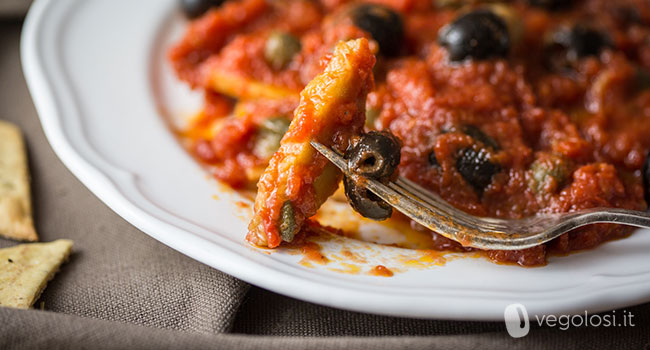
x=25, y=269
x=15, y=199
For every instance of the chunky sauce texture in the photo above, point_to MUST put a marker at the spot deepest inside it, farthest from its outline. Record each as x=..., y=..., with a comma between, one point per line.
x=554, y=130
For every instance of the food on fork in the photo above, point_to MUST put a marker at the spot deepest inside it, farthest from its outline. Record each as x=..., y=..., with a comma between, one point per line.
x=299, y=179
x=374, y=155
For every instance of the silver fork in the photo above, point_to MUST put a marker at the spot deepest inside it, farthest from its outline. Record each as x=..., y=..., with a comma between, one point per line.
x=431, y=211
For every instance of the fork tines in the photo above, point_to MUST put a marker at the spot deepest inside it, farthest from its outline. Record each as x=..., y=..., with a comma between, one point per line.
x=409, y=198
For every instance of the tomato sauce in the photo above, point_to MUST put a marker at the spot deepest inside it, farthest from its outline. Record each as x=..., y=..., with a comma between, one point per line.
x=564, y=138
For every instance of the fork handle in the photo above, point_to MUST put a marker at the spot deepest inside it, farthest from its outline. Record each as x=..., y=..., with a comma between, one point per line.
x=612, y=215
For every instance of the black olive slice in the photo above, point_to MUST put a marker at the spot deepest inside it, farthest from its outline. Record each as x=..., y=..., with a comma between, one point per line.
x=365, y=202
x=476, y=167
x=384, y=25
x=376, y=155
x=480, y=34
x=585, y=41
x=195, y=8
x=567, y=45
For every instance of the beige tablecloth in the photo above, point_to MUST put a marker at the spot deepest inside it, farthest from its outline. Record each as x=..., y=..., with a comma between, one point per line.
x=123, y=290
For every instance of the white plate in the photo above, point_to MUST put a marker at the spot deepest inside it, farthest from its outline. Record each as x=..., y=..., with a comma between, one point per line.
x=101, y=86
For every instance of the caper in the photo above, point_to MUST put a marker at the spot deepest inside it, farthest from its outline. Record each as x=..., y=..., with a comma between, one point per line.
x=269, y=135
x=376, y=155
x=479, y=34
x=365, y=202
x=384, y=25
x=553, y=170
x=476, y=167
x=195, y=8
x=280, y=49
x=372, y=114
x=288, y=225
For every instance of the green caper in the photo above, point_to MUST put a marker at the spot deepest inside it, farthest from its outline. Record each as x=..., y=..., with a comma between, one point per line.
x=280, y=49
x=372, y=114
x=552, y=170
x=269, y=135
x=288, y=225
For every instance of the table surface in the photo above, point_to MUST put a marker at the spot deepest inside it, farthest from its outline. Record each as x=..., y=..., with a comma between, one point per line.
x=123, y=289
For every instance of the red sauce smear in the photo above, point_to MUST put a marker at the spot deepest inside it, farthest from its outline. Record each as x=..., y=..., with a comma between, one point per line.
x=311, y=252
x=381, y=270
